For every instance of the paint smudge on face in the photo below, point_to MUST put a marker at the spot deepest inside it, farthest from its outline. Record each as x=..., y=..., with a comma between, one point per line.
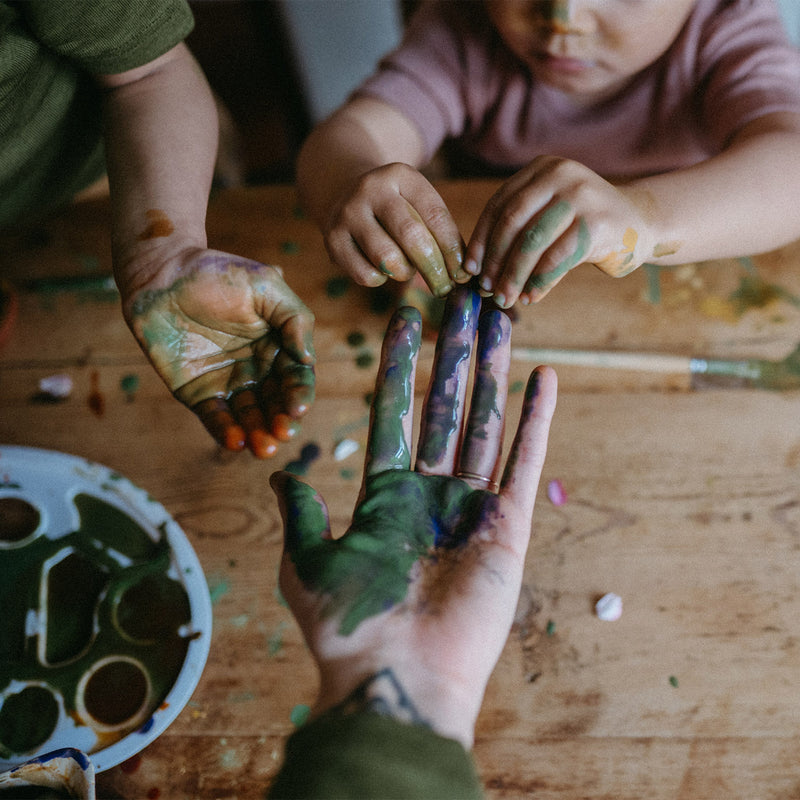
x=96, y=401
x=158, y=224
x=308, y=455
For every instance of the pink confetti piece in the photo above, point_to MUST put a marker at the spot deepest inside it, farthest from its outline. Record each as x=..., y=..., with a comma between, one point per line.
x=556, y=493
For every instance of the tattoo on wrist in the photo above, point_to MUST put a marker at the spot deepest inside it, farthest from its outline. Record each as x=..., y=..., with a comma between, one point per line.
x=382, y=693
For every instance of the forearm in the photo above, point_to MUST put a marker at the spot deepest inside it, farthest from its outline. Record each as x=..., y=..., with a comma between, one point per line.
x=361, y=136
x=741, y=202
x=161, y=134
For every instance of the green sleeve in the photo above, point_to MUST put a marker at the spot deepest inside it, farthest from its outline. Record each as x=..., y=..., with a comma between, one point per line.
x=367, y=755
x=110, y=36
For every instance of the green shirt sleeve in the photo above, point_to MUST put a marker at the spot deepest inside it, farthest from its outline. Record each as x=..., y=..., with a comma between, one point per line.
x=367, y=755
x=109, y=37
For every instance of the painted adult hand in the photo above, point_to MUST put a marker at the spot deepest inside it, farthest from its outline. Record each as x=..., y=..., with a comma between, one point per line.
x=547, y=219
x=391, y=224
x=232, y=342
x=408, y=612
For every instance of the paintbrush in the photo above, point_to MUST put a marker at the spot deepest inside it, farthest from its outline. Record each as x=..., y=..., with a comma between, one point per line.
x=753, y=372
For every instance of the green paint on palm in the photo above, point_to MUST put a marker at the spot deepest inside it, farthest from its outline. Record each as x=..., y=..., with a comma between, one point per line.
x=403, y=517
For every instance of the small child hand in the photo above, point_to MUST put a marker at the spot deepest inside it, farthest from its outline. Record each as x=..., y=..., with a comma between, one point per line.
x=392, y=224
x=232, y=342
x=547, y=219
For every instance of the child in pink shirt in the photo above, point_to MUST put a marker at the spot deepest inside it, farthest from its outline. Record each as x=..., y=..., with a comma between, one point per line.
x=633, y=131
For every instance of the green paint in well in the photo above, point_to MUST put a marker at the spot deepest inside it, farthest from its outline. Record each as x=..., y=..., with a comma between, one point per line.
x=107, y=594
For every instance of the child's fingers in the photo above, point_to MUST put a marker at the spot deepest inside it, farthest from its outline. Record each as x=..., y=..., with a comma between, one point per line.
x=571, y=249
x=250, y=416
x=533, y=241
x=443, y=411
x=218, y=420
x=346, y=252
x=526, y=458
x=388, y=443
x=483, y=436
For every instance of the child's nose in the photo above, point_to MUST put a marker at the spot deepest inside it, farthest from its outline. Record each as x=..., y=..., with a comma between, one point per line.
x=559, y=15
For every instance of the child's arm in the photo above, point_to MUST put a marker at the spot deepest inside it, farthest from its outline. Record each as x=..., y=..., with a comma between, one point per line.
x=226, y=334
x=555, y=214
x=358, y=178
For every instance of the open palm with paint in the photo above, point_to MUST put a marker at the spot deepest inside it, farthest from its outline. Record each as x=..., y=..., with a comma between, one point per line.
x=408, y=612
x=233, y=343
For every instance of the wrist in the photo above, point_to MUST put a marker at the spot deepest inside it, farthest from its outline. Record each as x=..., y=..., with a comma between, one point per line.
x=412, y=697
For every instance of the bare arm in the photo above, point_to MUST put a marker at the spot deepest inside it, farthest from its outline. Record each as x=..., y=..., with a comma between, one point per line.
x=555, y=214
x=743, y=201
x=225, y=333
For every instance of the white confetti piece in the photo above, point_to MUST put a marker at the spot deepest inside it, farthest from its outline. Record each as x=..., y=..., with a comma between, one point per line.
x=609, y=607
x=345, y=448
x=556, y=493
x=56, y=385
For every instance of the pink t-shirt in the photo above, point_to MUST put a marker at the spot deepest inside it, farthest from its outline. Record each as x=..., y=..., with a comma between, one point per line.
x=453, y=77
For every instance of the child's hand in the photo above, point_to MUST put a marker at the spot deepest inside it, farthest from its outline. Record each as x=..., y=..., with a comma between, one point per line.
x=551, y=216
x=232, y=342
x=421, y=589
x=391, y=224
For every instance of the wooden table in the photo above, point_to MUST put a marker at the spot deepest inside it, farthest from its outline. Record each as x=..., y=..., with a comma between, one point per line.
x=685, y=502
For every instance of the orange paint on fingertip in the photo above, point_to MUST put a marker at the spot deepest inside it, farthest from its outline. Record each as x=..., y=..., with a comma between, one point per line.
x=262, y=444
x=233, y=438
x=284, y=428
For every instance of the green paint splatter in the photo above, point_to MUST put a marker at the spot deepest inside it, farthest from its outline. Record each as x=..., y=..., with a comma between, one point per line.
x=290, y=248
x=516, y=387
x=652, y=273
x=347, y=474
x=299, y=715
x=673, y=681
x=217, y=588
x=551, y=627
x=129, y=384
x=336, y=287
x=365, y=360
x=356, y=338
x=753, y=292
x=275, y=641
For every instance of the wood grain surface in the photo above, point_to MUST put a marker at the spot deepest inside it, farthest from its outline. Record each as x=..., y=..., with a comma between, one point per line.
x=686, y=502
